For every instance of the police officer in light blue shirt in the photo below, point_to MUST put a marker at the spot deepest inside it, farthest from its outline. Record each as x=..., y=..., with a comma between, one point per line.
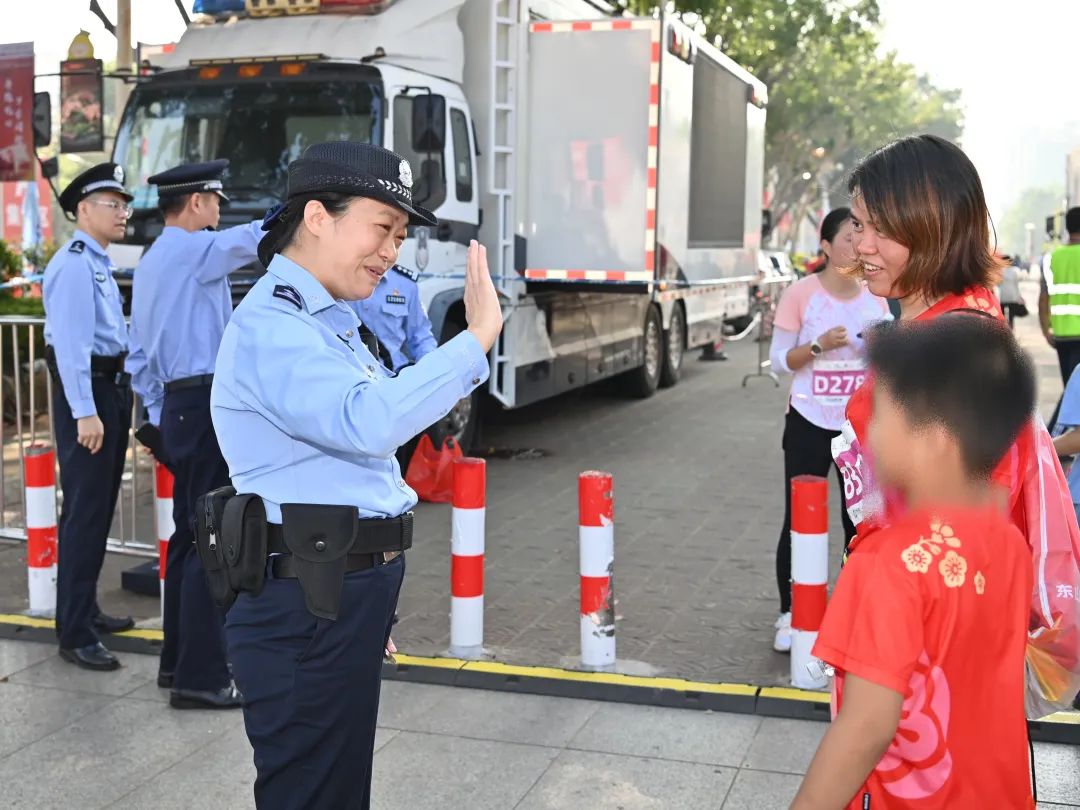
x=180, y=304
x=86, y=339
x=309, y=420
x=397, y=317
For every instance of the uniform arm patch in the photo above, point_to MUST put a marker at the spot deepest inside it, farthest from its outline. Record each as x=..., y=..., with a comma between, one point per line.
x=287, y=293
x=78, y=246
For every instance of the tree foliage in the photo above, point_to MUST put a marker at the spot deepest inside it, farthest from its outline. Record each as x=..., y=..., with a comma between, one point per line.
x=1033, y=205
x=834, y=93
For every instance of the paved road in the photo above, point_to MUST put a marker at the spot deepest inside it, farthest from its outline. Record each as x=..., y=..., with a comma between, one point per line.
x=73, y=739
x=698, y=488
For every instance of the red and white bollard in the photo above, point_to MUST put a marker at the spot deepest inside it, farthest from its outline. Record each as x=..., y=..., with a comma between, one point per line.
x=467, y=558
x=163, y=520
x=40, y=469
x=596, y=537
x=809, y=575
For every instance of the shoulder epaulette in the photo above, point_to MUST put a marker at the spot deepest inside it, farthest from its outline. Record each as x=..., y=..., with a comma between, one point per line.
x=78, y=246
x=412, y=275
x=287, y=293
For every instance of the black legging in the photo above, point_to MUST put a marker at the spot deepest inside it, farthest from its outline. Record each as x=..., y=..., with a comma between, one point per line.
x=807, y=451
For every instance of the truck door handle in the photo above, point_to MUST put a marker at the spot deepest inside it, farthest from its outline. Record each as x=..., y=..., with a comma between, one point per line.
x=443, y=231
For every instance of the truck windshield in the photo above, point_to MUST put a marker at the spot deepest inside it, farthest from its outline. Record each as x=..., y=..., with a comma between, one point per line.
x=258, y=126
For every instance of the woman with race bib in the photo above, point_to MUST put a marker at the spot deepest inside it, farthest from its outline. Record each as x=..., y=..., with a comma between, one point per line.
x=922, y=235
x=817, y=337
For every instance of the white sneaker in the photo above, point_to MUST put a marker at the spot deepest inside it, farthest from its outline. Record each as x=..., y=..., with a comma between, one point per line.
x=782, y=641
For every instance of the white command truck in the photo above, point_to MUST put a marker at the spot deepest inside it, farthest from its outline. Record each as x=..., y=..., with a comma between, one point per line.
x=612, y=166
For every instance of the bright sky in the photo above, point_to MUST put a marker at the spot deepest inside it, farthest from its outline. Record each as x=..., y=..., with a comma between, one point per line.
x=1014, y=65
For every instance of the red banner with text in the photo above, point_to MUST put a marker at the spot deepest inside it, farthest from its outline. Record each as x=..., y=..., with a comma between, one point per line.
x=16, y=111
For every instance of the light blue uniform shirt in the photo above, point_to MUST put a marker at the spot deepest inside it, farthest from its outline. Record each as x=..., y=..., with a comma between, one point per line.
x=1069, y=418
x=305, y=414
x=394, y=313
x=180, y=303
x=80, y=273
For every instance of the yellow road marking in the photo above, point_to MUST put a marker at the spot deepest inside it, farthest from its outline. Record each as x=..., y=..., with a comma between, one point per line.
x=554, y=673
x=50, y=624
x=786, y=693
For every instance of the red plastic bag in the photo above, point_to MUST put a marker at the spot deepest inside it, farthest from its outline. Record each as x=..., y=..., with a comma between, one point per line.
x=1044, y=507
x=431, y=471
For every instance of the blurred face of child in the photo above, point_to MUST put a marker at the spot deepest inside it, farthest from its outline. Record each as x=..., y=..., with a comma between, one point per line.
x=918, y=460
x=889, y=435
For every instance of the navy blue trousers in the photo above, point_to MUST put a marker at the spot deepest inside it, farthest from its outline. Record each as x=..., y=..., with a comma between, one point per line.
x=194, y=645
x=311, y=688
x=91, y=484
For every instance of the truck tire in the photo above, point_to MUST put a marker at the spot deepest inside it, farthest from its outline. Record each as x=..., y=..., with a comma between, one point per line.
x=674, y=348
x=643, y=381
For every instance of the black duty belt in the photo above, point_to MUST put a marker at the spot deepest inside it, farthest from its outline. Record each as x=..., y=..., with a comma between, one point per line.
x=315, y=543
x=101, y=366
x=189, y=382
x=376, y=541
x=372, y=536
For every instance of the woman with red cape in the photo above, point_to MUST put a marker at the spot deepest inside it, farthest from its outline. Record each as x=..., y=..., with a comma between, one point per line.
x=922, y=235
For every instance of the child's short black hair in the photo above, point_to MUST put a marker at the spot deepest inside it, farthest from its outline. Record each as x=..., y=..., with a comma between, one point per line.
x=963, y=371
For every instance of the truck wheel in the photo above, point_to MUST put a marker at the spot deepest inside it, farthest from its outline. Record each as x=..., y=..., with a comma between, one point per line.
x=464, y=417
x=674, y=349
x=643, y=380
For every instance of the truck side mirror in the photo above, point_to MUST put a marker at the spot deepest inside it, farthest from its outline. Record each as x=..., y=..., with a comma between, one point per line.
x=42, y=120
x=1051, y=223
x=766, y=223
x=428, y=123
x=50, y=168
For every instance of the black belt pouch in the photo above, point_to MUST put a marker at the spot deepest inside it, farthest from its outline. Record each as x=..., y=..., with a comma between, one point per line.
x=319, y=538
x=209, y=522
x=243, y=543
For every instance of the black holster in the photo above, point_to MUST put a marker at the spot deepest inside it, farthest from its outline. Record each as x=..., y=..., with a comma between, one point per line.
x=231, y=539
x=319, y=537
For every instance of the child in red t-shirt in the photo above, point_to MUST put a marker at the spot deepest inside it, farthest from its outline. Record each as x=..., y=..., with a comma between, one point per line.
x=927, y=625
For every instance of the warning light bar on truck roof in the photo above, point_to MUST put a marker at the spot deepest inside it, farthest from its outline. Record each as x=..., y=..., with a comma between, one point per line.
x=303, y=57
x=252, y=71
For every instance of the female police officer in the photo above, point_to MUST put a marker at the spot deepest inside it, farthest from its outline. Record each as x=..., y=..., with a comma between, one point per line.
x=307, y=416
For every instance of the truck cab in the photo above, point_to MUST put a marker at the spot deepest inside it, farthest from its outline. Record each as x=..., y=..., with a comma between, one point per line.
x=262, y=115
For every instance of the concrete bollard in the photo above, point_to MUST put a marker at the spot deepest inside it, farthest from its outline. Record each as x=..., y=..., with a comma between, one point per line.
x=467, y=558
x=41, y=551
x=163, y=521
x=596, y=538
x=809, y=575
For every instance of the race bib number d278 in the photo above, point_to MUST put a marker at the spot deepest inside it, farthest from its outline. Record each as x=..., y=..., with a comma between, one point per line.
x=834, y=381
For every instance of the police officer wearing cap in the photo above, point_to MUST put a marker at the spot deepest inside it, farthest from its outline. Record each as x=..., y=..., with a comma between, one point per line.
x=396, y=316
x=86, y=340
x=181, y=302
x=308, y=421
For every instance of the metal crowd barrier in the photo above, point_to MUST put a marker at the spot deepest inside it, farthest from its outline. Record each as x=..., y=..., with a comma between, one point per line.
x=24, y=384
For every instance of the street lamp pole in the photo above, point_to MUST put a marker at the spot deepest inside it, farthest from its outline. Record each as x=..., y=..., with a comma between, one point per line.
x=123, y=52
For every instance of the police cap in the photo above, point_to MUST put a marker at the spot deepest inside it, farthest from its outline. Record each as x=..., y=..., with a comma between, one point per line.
x=103, y=177
x=356, y=169
x=359, y=169
x=191, y=178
